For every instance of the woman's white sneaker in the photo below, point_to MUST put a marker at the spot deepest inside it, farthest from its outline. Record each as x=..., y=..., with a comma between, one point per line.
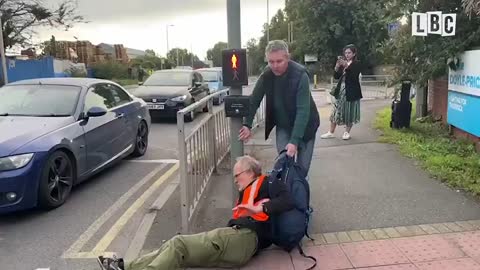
x=346, y=136
x=327, y=135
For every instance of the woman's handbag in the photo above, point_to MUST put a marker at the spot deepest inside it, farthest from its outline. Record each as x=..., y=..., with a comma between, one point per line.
x=335, y=91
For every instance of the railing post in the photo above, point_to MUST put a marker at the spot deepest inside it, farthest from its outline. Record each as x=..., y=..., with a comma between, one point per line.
x=182, y=157
x=212, y=132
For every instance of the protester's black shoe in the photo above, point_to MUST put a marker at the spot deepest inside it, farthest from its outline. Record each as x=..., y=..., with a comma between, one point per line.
x=110, y=263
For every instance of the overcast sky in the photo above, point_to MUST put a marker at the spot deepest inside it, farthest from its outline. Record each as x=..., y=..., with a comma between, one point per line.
x=141, y=24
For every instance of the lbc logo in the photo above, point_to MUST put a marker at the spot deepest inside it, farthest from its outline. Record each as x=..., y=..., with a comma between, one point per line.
x=433, y=22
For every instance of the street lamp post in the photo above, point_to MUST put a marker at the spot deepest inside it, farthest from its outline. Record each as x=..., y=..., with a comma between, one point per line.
x=268, y=21
x=168, y=48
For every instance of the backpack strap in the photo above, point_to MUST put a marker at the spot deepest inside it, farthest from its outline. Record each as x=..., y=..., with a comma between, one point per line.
x=308, y=257
x=308, y=214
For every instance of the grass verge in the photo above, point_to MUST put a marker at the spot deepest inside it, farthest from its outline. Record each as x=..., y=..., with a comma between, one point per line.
x=450, y=160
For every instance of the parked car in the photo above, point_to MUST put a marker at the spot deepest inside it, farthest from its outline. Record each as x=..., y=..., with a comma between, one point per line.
x=58, y=132
x=169, y=91
x=214, y=78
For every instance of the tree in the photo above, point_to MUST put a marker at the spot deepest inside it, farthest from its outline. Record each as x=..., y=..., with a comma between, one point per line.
x=471, y=6
x=255, y=58
x=215, y=54
x=256, y=49
x=324, y=27
x=20, y=17
x=150, y=52
x=420, y=59
x=185, y=58
x=150, y=61
x=50, y=47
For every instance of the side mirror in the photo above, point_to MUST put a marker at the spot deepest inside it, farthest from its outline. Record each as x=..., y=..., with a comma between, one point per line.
x=140, y=83
x=198, y=84
x=96, y=112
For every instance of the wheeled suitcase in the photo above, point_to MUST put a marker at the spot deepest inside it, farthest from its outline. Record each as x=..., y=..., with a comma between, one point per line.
x=401, y=112
x=402, y=109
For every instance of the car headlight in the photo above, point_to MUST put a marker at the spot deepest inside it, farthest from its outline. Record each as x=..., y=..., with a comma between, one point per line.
x=15, y=162
x=179, y=99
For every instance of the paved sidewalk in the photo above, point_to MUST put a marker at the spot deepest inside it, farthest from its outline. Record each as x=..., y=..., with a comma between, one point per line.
x=374, y=208
x=435, y=251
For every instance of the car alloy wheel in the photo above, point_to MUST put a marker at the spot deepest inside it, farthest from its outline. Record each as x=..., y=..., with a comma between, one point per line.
x=57, y=180
x=141, y=140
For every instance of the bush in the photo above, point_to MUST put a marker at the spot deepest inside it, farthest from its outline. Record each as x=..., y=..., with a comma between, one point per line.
x=110, y=70
x=452, y=161
x=77, y=72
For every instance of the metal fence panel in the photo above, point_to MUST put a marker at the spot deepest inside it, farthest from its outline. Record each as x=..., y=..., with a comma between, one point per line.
x=373, y=87
x=202, y=150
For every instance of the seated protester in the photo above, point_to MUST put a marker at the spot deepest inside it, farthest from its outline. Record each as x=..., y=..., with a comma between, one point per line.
x=233, y=246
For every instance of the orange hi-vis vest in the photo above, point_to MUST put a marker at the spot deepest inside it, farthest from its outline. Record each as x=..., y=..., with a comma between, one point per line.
x=249, y=196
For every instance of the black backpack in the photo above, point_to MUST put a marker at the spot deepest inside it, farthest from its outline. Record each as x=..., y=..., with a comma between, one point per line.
x=289, y=228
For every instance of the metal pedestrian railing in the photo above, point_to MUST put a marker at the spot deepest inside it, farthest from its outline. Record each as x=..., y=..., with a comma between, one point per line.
x=373, y=86
x=201, y=150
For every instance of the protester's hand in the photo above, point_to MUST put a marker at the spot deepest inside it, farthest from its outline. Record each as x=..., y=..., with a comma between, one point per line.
x=251, y=209
x=245, y=134
x=291, y=150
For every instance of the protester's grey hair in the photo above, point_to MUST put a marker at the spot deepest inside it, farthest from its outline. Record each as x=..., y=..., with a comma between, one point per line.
x=275, y=46
x=249, y=163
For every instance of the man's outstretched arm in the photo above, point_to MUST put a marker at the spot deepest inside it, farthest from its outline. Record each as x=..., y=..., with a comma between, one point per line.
x=255, y=100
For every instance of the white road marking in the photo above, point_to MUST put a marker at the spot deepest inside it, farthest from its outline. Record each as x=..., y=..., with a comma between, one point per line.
x=164, y=161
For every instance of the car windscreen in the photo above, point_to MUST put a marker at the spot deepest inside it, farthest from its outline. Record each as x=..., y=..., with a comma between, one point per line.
x=39, y=100
x=169, y=79
x=209, y=76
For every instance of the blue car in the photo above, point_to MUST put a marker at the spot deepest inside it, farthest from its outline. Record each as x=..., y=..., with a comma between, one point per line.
x=57, y=132
x=213, y=76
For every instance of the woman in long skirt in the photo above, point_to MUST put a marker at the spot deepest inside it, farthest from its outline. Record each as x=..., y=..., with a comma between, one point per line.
x=346, y=108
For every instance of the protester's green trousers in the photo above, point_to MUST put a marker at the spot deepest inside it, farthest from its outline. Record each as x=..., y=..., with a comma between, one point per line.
x=223, y=247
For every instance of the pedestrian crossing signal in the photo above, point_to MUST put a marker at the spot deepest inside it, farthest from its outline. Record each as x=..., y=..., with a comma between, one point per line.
x=234, y=67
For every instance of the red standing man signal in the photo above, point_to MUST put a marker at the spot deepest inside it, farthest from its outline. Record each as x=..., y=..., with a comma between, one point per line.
x=234, y=67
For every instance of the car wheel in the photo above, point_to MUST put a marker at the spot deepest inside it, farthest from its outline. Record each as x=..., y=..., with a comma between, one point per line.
x=141, y=140
x=56, y=181
x=190, y=116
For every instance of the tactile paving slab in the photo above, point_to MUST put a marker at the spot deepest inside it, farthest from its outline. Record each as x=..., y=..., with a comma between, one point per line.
x=373, y=253
x=428, y=248
x=456, y=264
x=329, y=257
x=270, y=260
x=469, y=242
x=392, y=267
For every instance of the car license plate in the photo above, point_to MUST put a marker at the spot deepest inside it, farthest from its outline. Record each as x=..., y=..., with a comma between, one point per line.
x=156, y=106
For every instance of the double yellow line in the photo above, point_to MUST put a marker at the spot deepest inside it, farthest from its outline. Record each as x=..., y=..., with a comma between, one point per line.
x=107, y=239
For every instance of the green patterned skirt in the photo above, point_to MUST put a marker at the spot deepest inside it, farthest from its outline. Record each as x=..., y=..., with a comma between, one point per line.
x=345, y=112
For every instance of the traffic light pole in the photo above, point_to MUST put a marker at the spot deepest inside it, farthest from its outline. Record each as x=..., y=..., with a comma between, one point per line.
x=234, y=42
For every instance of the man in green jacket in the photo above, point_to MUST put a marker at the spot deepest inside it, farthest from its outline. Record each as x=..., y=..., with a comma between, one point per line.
x=289, y=105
